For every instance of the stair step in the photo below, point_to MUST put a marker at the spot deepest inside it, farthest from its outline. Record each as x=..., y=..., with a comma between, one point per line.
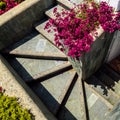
x=53, y=90
x=109, y=82
x=36, y=55
x=50, y=72
x=94, y=105
x=99, y=87
x=50, y=36
x=68, y=4
x=50, y=13
x=34, y=46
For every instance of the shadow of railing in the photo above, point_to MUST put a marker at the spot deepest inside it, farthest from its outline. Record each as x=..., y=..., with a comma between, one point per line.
x=47, y=98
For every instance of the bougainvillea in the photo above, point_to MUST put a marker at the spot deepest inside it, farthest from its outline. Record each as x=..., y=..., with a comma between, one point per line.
x=74, y=29
x=6, y=5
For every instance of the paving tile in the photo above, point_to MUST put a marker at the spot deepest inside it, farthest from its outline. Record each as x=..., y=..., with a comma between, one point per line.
x=53, y=90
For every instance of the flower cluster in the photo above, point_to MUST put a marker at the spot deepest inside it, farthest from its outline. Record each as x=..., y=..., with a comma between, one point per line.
x=74, y=29
x=6, y=5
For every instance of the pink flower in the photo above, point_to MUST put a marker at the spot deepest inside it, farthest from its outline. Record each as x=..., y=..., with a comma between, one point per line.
x=72, y=28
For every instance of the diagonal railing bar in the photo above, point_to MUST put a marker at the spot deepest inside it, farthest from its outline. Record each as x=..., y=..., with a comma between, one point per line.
x=50, y=73
x=37, y=55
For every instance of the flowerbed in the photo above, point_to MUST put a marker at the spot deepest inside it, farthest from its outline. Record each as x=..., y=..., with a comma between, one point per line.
x=75, y=30
x=6, y=5
x=11, y=110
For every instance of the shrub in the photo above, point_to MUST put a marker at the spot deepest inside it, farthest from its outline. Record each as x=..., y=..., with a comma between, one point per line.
x=2, y=5
x=11, y=110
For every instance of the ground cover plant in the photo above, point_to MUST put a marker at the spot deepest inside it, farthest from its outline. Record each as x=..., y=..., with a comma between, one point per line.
x=6, y=5
x=10, y=109
x=76, y=29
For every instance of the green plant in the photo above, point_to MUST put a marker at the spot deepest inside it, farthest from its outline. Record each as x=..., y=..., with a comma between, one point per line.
x=2, y=5
x=10, y=109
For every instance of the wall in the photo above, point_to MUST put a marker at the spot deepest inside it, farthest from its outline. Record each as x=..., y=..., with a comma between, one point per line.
x=18, y=22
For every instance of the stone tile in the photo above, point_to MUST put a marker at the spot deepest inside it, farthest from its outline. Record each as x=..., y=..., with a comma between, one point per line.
x=53, y=90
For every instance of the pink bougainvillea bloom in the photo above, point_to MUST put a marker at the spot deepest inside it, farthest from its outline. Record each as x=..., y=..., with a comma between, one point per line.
x=73, y=28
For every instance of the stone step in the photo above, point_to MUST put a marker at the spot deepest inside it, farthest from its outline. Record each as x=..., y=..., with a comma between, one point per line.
x=52, y=90
x=66, y=3
x=36, y=55
x=95, y=106
x=109, y=82
x=34, y=45
x=50, y=13
x=50, y=72
x=99, y=87
x=49, y=36
x=32, y=70
x=69, y=4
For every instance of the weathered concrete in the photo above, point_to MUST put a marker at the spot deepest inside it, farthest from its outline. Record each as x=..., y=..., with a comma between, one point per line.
x=19, y=21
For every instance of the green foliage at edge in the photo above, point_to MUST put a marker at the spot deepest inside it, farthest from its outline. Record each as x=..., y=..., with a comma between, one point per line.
x=2, y=5
x=11, y=110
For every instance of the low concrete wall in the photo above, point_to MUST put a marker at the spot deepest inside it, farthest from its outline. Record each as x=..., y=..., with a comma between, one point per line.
x=18, y=22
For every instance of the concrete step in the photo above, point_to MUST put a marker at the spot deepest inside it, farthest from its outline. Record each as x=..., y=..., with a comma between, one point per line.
x=40, y=54
x=52, y=90
x=95, y=106
x=50, y=72
x=36, y=55
x=49, y=36
x=99, y=87
x=66, y=3
x=34, y=45
x=50, y=13
x=69, y=4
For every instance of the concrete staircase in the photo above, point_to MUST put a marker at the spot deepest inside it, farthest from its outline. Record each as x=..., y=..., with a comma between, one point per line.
x=47, y=71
